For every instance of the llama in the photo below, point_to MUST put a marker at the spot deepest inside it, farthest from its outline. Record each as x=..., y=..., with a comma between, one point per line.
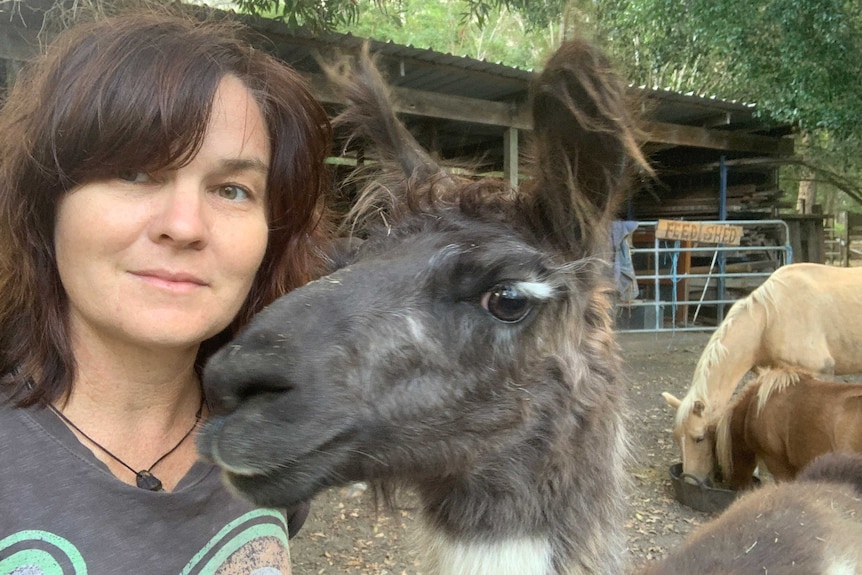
x=801, y=316
x=464, y=350
x=809, y=526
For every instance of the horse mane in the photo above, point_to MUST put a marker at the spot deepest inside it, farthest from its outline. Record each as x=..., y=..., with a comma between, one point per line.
x=715, y=351
x=776, y=380
x=767, y=383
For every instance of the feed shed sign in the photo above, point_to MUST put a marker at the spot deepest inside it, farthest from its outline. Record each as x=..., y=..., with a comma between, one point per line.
x=699, y=232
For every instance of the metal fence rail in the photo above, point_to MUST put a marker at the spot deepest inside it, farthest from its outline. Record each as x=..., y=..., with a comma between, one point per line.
x=674, y=296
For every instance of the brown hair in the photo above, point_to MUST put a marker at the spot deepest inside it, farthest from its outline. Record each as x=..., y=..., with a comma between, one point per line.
x=134, y=92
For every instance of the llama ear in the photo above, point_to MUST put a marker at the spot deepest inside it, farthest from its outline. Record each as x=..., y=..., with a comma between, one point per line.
x=698, y=408
x=671, y=400
x=369, y=116
x=586, y=148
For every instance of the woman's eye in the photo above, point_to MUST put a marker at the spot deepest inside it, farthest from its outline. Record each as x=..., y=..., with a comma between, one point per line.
x=233, y=192
x=135, y=177
x=506, y=303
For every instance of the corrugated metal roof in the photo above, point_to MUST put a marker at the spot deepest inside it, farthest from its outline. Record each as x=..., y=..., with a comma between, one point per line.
x=408, y=67
x=428, y=70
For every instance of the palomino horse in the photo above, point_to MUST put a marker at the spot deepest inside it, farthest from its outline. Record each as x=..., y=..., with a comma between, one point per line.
x=810, y=526
x=464, y=350
x=803, y=315
x=784, y=419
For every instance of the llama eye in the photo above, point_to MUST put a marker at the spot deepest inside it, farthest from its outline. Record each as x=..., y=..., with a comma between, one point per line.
x=699, y=438
x=506, y=304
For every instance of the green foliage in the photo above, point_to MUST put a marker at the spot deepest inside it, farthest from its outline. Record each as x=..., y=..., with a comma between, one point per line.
x=316, y=14
x=334, y=14
x=799, y=59
x=450, y=26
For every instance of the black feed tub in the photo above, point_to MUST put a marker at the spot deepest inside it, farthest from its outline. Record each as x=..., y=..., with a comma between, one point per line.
x=698, y=495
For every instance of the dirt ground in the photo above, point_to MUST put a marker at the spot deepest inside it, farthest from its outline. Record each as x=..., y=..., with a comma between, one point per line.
x=345, y=535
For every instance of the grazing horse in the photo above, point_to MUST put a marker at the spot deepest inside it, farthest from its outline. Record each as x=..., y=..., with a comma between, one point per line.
x=803, y=315
x=810, y=526
x=464, y=350
x=784, y=419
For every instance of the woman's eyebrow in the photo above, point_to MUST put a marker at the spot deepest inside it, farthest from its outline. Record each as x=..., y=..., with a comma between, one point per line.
x=244, y=165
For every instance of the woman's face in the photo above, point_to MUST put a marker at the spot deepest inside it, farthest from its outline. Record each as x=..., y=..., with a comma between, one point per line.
x=165, y=260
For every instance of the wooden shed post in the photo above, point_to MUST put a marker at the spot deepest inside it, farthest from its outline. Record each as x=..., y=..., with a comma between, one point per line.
x=510, y=156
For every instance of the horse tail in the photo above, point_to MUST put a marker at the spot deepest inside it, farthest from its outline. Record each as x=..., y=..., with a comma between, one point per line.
x=835, y=467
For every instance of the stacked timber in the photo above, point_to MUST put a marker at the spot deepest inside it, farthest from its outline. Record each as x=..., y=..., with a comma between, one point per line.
x=703, y=203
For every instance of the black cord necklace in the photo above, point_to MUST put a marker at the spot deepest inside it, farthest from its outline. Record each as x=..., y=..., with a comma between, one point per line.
x=143, y=478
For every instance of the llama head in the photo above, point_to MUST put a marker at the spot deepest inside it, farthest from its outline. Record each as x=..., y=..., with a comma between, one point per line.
x=465, y=345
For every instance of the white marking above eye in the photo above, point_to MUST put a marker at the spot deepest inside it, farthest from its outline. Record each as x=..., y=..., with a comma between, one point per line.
x=536, y=290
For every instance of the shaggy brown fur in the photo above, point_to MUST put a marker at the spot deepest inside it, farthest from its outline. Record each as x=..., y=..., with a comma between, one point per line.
x=811, y=526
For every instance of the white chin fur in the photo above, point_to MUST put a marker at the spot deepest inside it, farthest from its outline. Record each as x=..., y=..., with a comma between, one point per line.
x=527, y=556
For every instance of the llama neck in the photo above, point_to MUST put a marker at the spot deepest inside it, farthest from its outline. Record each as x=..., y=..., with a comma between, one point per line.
x=448, y=556
x=572, y=529
x=547, y=499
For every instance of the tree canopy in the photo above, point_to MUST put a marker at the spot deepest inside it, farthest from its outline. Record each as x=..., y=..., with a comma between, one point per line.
x=799, y=59
x=331, y=14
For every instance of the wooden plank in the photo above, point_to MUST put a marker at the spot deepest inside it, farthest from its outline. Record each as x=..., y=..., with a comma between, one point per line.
x=443, y=106
x=514, y=115
x=699, y=232
x=717, y=139
x=510, y=156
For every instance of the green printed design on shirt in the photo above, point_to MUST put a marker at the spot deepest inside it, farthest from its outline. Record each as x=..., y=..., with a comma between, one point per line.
x=32, y=562
x=224, y=545
x=40, y=561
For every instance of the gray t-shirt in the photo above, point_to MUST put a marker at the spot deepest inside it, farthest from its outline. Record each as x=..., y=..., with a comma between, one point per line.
x=63, y=513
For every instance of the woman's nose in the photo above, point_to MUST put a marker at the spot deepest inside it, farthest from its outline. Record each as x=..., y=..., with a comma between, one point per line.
x=181, y=217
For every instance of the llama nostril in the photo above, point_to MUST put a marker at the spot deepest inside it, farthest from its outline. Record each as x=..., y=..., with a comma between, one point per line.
x=225, y=399
x=221, y=404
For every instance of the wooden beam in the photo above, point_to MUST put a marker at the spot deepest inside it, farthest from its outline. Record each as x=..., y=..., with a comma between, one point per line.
x=510, y=156
x=441, y=106
x=680, y=135
x=512, y=115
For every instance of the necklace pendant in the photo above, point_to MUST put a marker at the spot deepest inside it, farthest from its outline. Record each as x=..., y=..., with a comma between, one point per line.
x=148, y=481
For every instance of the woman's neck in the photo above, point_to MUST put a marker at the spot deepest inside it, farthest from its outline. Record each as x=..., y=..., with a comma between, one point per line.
x=124, y=380
x=137, y=407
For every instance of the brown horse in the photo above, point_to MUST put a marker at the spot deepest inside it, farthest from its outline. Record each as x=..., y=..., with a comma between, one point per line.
x=803, y=315
x=810, y=526
x=465, y=349
x=784, y=419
